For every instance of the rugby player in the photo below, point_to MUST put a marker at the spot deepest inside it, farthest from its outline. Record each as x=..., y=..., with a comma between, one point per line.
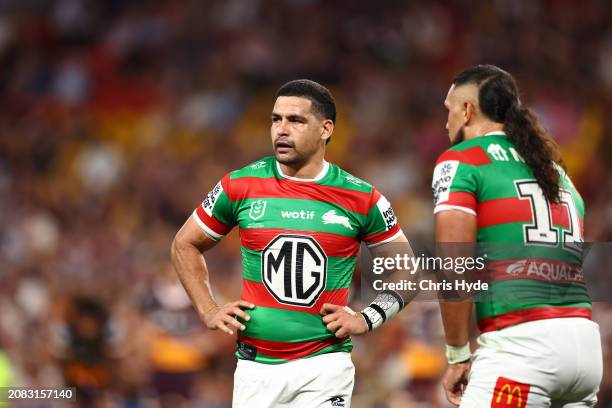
x=503, y=181
x=301, y=221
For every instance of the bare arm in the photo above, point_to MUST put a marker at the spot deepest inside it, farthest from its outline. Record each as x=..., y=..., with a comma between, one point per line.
x=187, y=257
x=458, y=227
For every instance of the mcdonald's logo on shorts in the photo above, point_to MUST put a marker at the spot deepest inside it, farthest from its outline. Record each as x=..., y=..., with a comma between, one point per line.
x=509, y=394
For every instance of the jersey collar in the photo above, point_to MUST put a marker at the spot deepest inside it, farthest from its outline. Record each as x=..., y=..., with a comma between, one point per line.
x=319, y=176
x=496, y=133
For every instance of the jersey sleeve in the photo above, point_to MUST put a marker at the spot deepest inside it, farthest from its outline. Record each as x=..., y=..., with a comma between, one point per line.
x=380, y=225
x=215, y=215
x=455, y=183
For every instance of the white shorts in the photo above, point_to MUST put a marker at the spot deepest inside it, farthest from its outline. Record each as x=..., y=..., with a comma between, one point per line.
x=324, y=381
x=544, y=363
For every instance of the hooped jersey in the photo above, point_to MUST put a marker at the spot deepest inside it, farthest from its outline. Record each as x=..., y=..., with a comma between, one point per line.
x=535, y=259
x=299, y=243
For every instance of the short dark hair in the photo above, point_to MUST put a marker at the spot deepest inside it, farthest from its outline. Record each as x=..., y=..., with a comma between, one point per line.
x=322, y=100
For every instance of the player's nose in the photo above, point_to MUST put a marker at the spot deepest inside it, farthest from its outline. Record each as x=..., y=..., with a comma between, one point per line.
x=283, y=128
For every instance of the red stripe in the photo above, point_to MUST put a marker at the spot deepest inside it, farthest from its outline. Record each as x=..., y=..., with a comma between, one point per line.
x=560, y=215
x=253, y=187
x=528, y=315
x=257, y=293
x=225, y=183
x=289, y=351
x=462, y=199
x=514, y=209
x=381, y=236
x=212, y=222
x=474, y=155
x=333, y=245
x=375, y=197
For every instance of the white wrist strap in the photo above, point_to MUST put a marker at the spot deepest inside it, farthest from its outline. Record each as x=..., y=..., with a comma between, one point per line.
x=456, y=355
x=386, y=305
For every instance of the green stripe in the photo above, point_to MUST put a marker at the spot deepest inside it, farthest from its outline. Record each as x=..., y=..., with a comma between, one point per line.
x=285, y=325
x=339, y=270
x=275, y=207
x=502, y=175
x=506, y=242
x=336, y=177
x=223, y=209
x=512, y=295
x=375, y=222
x=466, y=179
x=528, y=290
x=264, y=168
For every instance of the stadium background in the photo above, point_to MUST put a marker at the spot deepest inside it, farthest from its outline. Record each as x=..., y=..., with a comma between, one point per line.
x=118, y=116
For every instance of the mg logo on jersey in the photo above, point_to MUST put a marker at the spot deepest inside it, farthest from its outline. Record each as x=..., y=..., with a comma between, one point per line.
x=294, y=269
x=508, y=393
x=258, y=209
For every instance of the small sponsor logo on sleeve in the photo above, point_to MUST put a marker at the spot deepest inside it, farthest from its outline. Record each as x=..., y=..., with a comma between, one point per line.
x=211, y=199
x=384, y=206
x=444, y=174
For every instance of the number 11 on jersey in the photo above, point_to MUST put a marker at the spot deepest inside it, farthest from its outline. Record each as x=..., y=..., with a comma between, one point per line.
x=541, y=231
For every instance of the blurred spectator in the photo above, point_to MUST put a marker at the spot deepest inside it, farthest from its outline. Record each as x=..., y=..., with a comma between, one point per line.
x=83, y=346
x=177, y=349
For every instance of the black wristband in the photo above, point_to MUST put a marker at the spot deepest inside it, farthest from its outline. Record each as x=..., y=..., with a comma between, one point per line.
x=380, y=311
x=368, y=321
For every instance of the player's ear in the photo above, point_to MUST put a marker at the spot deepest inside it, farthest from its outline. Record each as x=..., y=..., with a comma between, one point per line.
x=469, y=110
x=327, y=129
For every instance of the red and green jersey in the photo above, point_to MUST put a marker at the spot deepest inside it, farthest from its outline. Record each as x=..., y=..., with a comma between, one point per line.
x=299, y=243
x=535, y=254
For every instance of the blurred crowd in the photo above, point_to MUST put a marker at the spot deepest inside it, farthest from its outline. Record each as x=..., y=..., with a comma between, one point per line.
x=118, y=116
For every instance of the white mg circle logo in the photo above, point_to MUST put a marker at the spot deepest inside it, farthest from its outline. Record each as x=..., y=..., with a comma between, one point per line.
x=294, y=269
